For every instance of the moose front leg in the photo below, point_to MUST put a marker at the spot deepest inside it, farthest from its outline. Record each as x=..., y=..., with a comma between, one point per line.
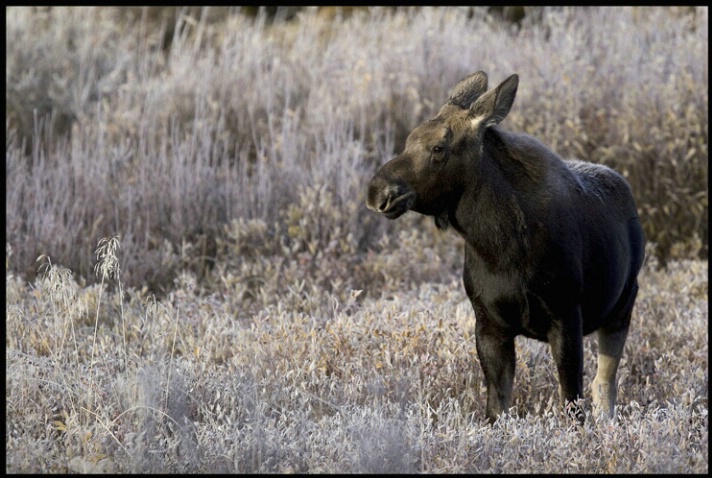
x=566, y=341
x=496, y=354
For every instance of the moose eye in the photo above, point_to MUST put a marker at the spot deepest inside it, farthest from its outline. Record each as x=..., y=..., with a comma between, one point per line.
x=438, y=149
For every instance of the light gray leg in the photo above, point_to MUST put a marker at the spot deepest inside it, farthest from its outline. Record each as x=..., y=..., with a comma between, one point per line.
x=611, y=341
x=604, y=388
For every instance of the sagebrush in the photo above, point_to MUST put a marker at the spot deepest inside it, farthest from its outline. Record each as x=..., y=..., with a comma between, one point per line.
x=115, y=126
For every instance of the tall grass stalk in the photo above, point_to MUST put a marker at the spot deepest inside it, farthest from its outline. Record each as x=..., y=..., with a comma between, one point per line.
x=108, y=267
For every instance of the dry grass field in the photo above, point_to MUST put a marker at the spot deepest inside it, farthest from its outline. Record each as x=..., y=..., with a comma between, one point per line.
x=194, y=284
x=383, y=379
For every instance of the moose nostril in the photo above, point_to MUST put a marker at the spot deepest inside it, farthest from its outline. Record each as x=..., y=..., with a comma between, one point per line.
x=384, y=205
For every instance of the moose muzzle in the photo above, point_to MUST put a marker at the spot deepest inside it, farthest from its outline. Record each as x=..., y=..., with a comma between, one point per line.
x=392, y=199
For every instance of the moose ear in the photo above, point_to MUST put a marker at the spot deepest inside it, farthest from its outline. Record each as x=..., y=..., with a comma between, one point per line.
x=492, y=107
x=467, y=90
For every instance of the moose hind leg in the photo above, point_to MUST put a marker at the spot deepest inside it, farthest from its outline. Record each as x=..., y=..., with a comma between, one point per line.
x=604, y=388
x=605, y=384
x=611, y=342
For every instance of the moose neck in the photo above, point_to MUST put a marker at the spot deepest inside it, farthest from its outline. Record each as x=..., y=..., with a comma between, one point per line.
x=489, y=215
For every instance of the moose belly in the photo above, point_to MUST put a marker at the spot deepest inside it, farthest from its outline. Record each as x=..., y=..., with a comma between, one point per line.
x=536, y=318
x=595, y=307
x=515, y=314
x=537, y=322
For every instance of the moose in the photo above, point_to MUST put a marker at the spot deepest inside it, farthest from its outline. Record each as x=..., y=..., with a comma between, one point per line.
x=553, y=247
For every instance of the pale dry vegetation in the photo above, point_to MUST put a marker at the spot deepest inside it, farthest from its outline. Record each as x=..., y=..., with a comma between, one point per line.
x=121, y=122
x=256, y=318
x=255, y=379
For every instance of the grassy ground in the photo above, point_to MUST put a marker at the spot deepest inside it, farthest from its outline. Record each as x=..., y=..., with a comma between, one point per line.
x=254, y=316
x=383, y=379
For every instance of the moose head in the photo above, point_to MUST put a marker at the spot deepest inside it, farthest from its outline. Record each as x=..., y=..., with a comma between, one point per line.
x=437, y=162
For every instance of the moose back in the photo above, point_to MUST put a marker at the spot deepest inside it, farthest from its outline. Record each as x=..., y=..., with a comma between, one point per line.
x=553, y=247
